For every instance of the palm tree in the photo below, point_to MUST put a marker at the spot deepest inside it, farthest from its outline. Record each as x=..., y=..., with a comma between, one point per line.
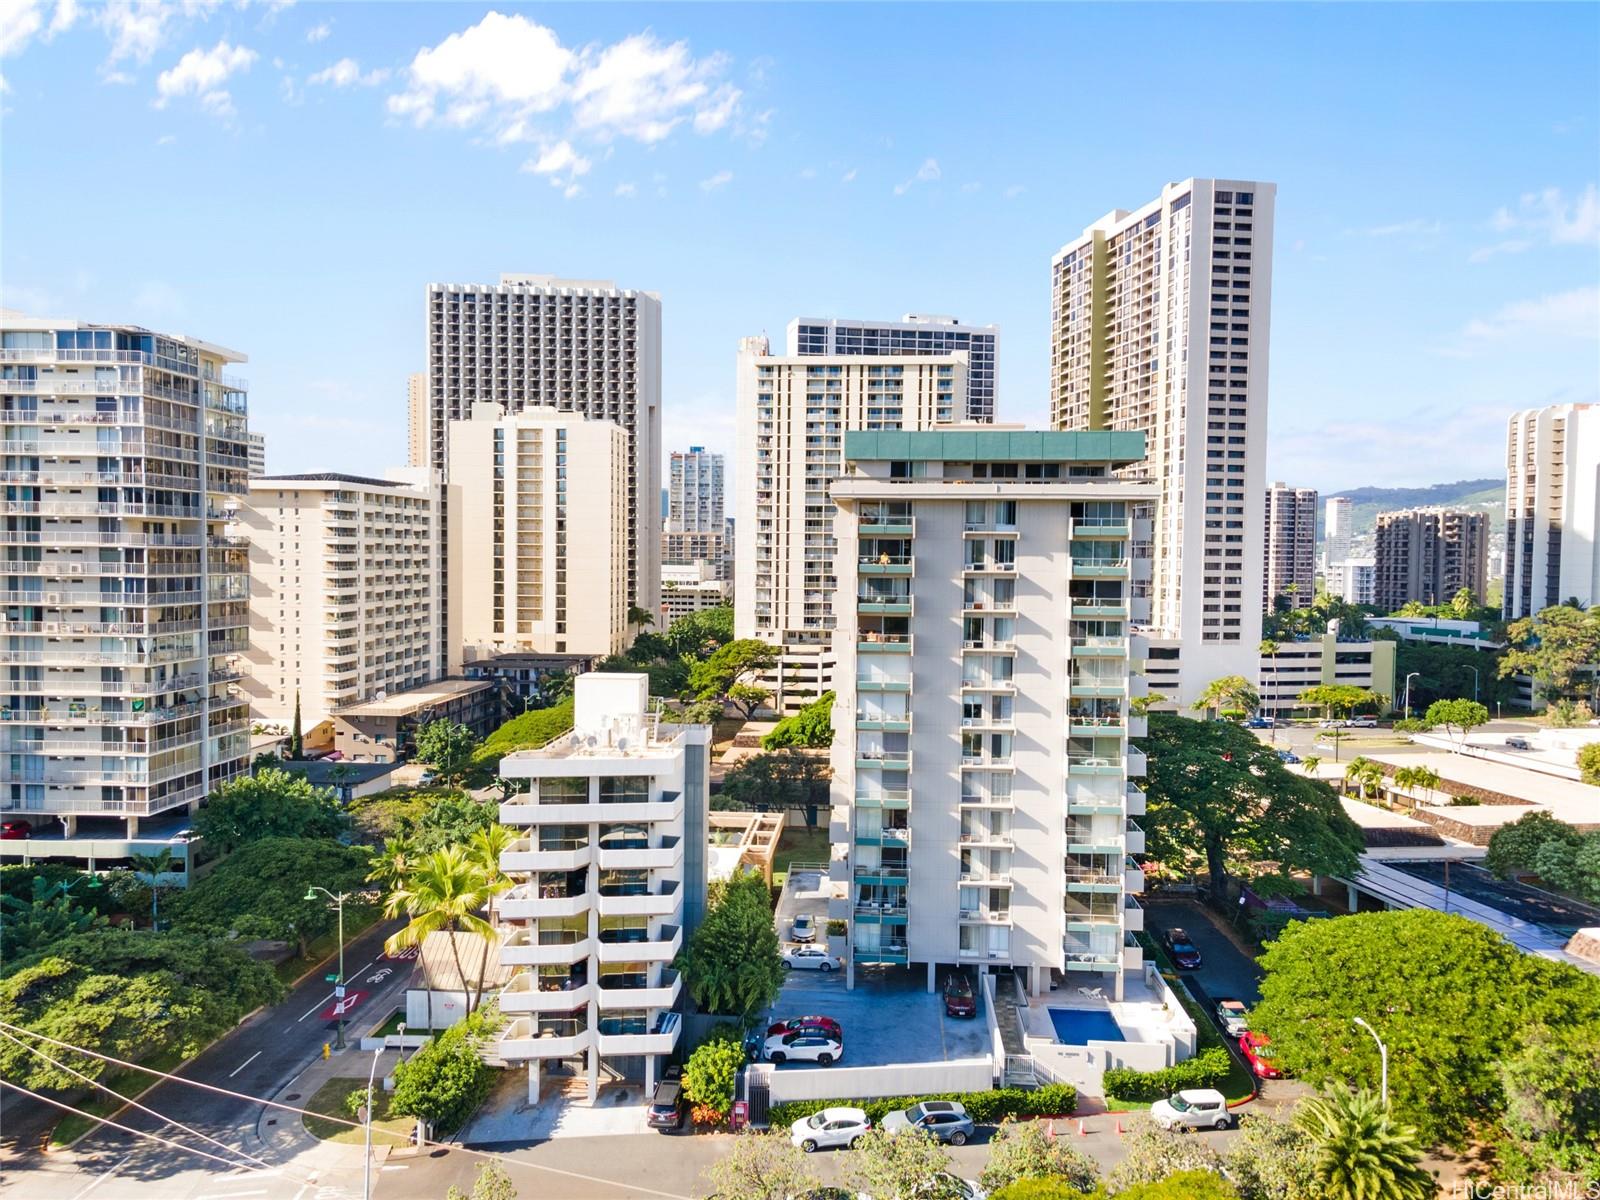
x=485, y=848
x=1267, y=649
x=443, y=892
x=1361, y=1153
x=149, y=866
x=1231, y=691
x=638, y=617
x=1310, y=764
x=389, y=867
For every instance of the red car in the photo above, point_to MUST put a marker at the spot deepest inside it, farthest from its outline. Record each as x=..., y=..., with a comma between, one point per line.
x=15, y=831
x=1257, y=1051
x=825, y=1025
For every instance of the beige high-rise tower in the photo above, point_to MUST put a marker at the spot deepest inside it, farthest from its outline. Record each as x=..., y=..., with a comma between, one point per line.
x=1291, y=550
x=416, y=420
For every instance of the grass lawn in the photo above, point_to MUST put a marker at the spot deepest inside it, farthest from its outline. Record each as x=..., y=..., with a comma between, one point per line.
x=323, y=947
x=799, y=844
x=126, y=1084
x=329, y=1099
x=390, y=1027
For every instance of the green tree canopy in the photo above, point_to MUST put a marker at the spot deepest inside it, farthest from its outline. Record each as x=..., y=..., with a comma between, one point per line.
x=762, y=1166
x=1182, y=1185
x=698, y=635
x=47, y=916
x=776, y=779
x=1421, y=979
x=732, y=964
x=1446, y=672
x=1552, y=1090
x=713, y=1069
x=447, y=746
x=911, y=1163
x=1515, y=847
x=1153, y=1155
x=444, y=1082
x=530, y=731
x=259, y=891
x=1021, y=1150
x=1456, y=717
x=1231, y=693
x=1220, y=800
x=1272, y=1160
x=1554, y=647
x=268, y=804
x=1589, y=764
x=1338, y=699
x=734, y=665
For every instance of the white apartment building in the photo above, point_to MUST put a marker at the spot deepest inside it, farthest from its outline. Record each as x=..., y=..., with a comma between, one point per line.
x=913, y=334
x=610, y=874
x=1355, y=580
x=344, y=591
x=695, y=497
x=1296, y=666
x=712, y=550
x=1161, y=320
x=1428, y=555
x=793, y=413
x=540, y=511
x=989, y=572
x=126, y=594
x=690, y=588
x=255, y=445
x=1552, y=508
x=1337, y=516
x=578, y=345
x=417, y=420
x=1291, y=541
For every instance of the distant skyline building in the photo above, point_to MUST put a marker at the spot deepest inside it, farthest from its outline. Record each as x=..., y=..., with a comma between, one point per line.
x=913, y=334
x=1337, y=515
x=256, y=449
x=695, y=499
x=793, y=413
x=1291, y=537
x=1354, y=580
x=1135, y=297
x=417, y=420
x=128, y=589
x=1552, y=508
x=1428, y=555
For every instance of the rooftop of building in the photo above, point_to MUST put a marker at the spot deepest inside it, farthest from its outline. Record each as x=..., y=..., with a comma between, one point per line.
x=322, y=772
x=329, y=477
x=925, y=320
x=988, y=444
x=408, y=703
x=14, y=319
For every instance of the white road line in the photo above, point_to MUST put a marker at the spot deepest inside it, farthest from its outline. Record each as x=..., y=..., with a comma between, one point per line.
x=244, y=1064
x=229, y=1195
x=316, y=1007
x=101, y=1178
x=400, y=1167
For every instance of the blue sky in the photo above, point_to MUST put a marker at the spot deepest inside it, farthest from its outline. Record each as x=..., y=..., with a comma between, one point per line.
x=287, y=178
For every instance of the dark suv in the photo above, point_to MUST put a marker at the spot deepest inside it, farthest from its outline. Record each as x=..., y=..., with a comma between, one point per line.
x=669, y=1108
x=1184, y=952
x=958, y=998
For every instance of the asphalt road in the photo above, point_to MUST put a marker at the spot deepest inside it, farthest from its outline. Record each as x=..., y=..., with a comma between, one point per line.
x=257, y=1059
x=1225, y=970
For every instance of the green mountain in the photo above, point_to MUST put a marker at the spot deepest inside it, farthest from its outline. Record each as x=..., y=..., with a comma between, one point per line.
x=1488, y=495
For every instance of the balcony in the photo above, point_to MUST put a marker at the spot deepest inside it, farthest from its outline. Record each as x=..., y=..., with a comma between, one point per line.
x=1078, y=955
x=877, y=606
x=1096, y=528
x=663, y=947
x=883, y=952
x=523, y=949
x=892, y=799
x=883, y=685
x=1099, y=647
x=1092, y=608
x=1099, y=568
x=1083, y=764
x=669, y=853
x=524, y=1039
x=1134, y=837
x=1132, y=877
x=1089, y=725
x=885, y=876
x=528, y=993
x=1081, y=839
x=888, y=835
x=1134, y=800
x=885, y=643
x=1098, y=687
x=883, y=722
x=1132, y=915
x=667, y=806
x=898, y=760
x=660, y=900
x=525, y=903
x=527, y=854
x=884, y=564
x=663, y=995
x=661, y=1038
x=983, y=877
x=1132, y=953
x=1136, y=762
x=1086, y=879
x=985, y=916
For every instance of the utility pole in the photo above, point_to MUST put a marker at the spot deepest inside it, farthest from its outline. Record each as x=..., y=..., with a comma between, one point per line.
x=338, y=993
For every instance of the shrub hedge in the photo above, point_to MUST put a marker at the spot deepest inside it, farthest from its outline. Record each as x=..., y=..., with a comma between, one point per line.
x=1052, y=1100
x=1208, y=1069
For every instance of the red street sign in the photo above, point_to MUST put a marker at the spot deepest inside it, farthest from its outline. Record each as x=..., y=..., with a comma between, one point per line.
x=341, y=1008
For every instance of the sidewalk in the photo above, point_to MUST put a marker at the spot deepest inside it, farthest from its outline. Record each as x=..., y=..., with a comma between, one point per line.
x=284, y=1135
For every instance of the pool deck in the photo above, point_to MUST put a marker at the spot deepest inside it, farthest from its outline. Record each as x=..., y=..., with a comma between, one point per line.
x=1138, y=1014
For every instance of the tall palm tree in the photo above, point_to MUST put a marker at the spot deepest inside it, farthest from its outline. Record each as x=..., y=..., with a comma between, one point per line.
x=389, y=867
x=1310, y=764
x=1361, y=1152
x=149, y=866
x=1267, y=649
x=442, y=893
x=1231, y=691
x=485, y=848
x=638, y=617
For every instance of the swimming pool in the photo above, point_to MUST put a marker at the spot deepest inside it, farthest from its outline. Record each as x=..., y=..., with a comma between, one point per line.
x=1080, y=1026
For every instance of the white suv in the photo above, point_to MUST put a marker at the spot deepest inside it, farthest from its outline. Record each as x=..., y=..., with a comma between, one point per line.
x=830, y=1127
x=1195, y=1108
x=804, y=1045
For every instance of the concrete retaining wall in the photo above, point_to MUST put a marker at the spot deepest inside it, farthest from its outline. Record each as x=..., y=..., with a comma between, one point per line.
x=866, y=1083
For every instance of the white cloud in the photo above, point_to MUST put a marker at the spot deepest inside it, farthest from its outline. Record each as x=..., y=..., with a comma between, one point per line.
x=642, y=89
x=507, y=60
x=928, y=172
x=166, y=139
x=1545, y=218
x=849, y=176
x=808, y=173
x=719, y=110
x=558, y=159
x=1015, y=190
x=572, y=191
x=21, y=20
x=318, y=33
x=720, y=179
x=137, y=28
x=1571, y=314
x=347, y=73
x=201, y=73
x=627, y=190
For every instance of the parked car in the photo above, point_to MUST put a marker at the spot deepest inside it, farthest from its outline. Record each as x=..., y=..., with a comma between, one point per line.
x=1233, y=1016
x=426, y=779
x=1193, y=1108
x=947, y=1120
x=826, y=1024
x=1334, y=723
x=959, y=1000
x=829, y=1128
x=1257, y=1051
x=15, y=831
x=811, y=958
x=804, y=929
x=1261, y=723
x=1184, y=952
x=1362, y=722
x=669, y=1108
x=1518, y=743
x=805, y=1045
x=1288, y=756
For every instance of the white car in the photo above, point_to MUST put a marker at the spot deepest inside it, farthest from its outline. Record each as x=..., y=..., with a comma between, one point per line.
x=811, y=958
x=829, y=1128
x=1194, y=1108
x=804, y=929
x=1363, y=722
x=1234, y=1017
x=804, y=1045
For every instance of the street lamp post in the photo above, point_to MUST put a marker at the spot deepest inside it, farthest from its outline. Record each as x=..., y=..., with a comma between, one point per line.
x=1409, y=678
x=1383, y=1060
x=1474, y=671
x=338, y=1001
x=366, y=1172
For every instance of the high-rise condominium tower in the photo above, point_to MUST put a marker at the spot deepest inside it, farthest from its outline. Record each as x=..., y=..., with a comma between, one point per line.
x=913, y=334
x=987, y=575
x=127, y=597
x=695, y=492
x=417, y=420
x=1337, y=514
x=577, y=345
x=1160, y=323
x=344, y=591
x=1291, y=570
x=793, y=414
x=1428, y=555
x=255, y=445
x=1552, y=508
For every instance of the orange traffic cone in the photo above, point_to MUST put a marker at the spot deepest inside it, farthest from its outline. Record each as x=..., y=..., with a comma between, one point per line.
x=1051, y=1130
x=1082, y=1132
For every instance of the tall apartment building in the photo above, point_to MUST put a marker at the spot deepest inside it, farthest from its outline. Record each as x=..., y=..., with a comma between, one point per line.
x=126, y=594
x=793, y=413
x=1428, y=555
x=610, y=878
x=417, y=420
x=344, y=591
x=1135, y=299
x=913, y=334
x=714, y=550
x=989, y=576
x=1337, y=515
x=1291, y=536
x=577, y=345
x=1354, y=580
x=1552, y=508
x=255, y=445
x=695, y=502
x=540, y=513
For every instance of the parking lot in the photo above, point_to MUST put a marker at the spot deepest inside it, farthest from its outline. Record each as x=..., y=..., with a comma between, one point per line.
x=889, y=1019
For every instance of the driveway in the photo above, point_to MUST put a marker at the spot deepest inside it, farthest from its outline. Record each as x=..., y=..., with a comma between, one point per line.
x=1225, y=970
x=804, y=891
